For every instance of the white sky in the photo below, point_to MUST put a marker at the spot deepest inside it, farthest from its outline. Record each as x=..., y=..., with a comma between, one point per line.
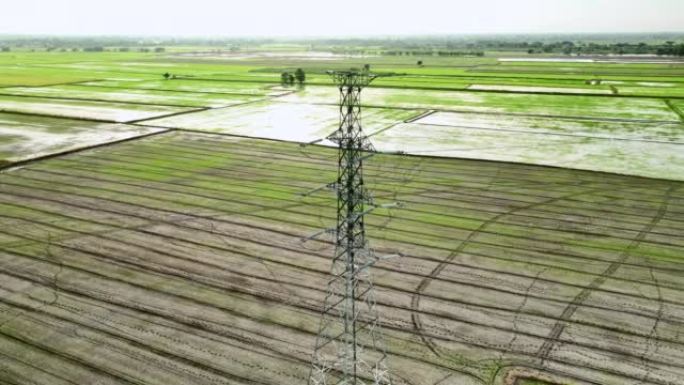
x=329, y=18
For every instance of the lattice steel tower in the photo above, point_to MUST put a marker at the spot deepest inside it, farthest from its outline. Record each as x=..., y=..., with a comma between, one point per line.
x=349, y=348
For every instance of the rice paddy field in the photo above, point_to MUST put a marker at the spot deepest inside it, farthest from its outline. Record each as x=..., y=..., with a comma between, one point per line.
x=151, y=229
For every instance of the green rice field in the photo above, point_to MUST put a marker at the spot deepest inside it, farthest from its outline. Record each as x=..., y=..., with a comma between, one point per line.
x=151, y=229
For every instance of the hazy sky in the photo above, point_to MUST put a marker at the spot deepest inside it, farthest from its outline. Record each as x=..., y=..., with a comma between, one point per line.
x=346, y=17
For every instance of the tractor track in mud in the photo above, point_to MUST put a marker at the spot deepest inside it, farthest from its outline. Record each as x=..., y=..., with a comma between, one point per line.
x=203, y=324
x=149, y=187
x=16, y=376
x=653, y=342
x=415, y=301
x=84, y=363
x=103, y=235
x=292, y=192
x=311, y=309
x=572, y=307
x=177, y=212
x=288, y=188
x=145, y=267
x=234, y=212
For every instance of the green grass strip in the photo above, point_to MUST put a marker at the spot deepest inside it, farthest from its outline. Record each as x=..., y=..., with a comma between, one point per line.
x=675, y=109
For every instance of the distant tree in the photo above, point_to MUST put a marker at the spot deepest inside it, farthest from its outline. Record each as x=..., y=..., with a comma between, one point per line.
x=287, y=79
x=159, y=49
x=5, y=49
x=420, y=63
x=366, y=67
x=124, y=49
x=680, y=50
x=530, y=51
x=167, y=75
x=300, y=76
x=642, y=48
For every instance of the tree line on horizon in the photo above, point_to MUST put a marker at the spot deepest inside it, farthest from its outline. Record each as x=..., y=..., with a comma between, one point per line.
x=569, y=44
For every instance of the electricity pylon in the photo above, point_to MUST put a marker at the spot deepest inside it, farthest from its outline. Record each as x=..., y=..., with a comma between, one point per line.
x=349, y=349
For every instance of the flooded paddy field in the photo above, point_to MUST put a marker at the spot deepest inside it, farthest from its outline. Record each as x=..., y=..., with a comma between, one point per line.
x=516, y=103
x=587, y=115
x=24, y=137
x=141, y=96
x=85, y=109
x=176, y=256
x=193, y=86
x=283, y=121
